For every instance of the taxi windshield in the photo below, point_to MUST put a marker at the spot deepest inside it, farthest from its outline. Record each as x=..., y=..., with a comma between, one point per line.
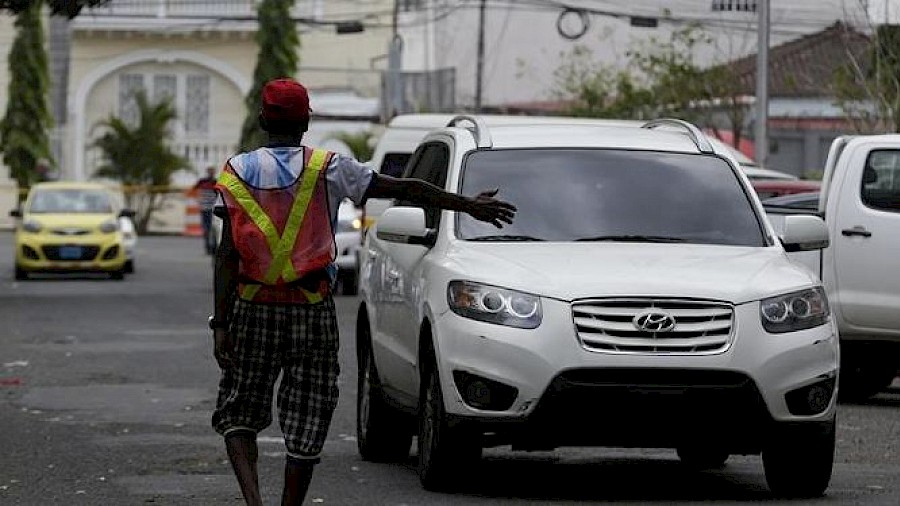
x=84, y=201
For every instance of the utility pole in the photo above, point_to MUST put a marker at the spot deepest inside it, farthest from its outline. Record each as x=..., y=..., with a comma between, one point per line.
x=761, y=140
x=480, y=68
x=393, y=95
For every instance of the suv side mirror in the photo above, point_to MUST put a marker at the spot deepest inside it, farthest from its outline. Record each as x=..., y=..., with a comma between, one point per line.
x=804, y=233
x=405, y=225
x=15, y=213
x=126, y=213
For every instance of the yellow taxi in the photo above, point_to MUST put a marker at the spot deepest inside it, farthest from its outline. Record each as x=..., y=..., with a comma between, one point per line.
x=69, y=227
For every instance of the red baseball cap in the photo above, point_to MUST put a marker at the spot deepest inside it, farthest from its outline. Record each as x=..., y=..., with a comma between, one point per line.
x=285, y=100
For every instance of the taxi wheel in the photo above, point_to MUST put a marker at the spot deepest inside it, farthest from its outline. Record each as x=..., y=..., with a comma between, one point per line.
x=118, y=275
x=129, y=267
x=21, y=274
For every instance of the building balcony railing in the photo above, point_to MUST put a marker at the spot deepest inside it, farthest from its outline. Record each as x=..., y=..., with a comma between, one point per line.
x=200, y=154
x=195, y=8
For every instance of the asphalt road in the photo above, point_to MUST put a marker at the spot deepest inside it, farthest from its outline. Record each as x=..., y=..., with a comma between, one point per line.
x=106, y=389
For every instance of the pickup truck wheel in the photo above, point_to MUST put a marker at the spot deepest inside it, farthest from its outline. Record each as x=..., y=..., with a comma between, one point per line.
x=700, y=458
x=861, y=379
x=383, y=434
x=798, y=461
x=445, y=452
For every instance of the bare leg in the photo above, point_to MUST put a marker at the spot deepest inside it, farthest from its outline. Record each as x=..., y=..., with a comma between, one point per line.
x=297, y=476
x=243, y=453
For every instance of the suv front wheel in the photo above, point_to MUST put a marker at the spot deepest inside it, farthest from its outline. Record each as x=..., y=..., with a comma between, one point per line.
x=444, y=451
x=799, y=459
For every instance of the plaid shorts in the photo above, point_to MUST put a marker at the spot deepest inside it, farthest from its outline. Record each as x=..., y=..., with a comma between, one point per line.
x=301, y=343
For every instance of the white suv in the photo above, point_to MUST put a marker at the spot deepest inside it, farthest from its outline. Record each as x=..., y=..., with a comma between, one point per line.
x=639, y=299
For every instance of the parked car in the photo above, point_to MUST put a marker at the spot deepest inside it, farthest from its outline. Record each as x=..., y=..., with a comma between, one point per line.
x=129, y=240
x=346, y=240
x=67, y=227
x=639, y=299
x=808, y=201
x=767, y=188
x=860, y=201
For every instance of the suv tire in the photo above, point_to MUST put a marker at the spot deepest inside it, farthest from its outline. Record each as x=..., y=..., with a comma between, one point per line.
x=444, y=451
x=798, y=460
x=701, y=457
x=383, y=434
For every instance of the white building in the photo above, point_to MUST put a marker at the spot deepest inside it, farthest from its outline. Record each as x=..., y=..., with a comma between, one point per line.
x=524, y=41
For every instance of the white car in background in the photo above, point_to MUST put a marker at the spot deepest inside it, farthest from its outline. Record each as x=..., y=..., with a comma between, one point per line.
x=346, y=241
x=129, y=241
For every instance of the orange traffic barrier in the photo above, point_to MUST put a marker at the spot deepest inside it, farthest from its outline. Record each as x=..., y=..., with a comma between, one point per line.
x=192, y=225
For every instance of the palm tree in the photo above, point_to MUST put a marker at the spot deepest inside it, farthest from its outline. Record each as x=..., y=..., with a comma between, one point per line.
x=360, y=143
x=140, y=158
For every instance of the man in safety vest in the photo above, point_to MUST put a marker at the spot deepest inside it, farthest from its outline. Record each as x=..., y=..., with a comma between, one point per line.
x=274, y=275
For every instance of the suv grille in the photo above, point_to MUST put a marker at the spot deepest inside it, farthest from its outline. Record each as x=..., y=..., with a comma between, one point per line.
x=674, y=326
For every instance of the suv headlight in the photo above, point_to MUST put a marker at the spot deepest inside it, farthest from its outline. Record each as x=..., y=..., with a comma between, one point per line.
x=32, y=226
x=494, y=305
x=109, y=226
x=795, y=311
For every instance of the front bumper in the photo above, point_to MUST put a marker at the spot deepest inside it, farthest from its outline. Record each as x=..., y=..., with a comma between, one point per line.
x=582, y=397
x=48, y=253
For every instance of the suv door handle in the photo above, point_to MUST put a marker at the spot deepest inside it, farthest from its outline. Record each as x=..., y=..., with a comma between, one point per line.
x=857, y=230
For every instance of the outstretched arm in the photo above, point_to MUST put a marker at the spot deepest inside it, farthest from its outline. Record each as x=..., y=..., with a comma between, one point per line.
x=482, y=207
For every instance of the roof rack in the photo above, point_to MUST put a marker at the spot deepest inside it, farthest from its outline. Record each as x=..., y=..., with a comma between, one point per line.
x=692, y=131
x=480, y=132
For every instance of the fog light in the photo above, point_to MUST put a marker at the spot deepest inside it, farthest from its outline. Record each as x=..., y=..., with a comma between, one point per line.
x=111, y=253
x=29, y=253
x=811, y=399
x=818, y=397
x=483, y=393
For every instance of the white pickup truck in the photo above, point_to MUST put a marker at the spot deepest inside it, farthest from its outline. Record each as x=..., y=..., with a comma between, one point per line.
x=860, y=201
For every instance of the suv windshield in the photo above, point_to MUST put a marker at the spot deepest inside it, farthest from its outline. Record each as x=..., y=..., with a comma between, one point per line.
x=70, y=201
x=611, y=195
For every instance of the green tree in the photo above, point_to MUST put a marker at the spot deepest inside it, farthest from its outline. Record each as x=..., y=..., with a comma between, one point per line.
x=279, y=44
x=660, y=78
x=68, y=8
x=867, y=86
x=140, y=158
x=360, y=143
x=24, y=129
x=600, y=90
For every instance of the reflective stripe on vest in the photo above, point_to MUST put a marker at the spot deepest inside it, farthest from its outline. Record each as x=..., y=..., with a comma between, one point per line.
x=281, y=246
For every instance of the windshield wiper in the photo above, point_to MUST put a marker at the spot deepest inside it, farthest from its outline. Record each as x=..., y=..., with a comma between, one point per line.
x=631, y=238
x=522, y=238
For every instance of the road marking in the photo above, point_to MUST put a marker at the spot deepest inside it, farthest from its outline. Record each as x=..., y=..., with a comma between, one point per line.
x=167, y=332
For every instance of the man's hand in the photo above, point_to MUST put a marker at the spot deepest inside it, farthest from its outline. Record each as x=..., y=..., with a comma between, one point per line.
x=485, y=207
x=224, y=348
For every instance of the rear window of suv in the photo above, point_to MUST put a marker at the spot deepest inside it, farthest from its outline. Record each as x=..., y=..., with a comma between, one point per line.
x=611, y=195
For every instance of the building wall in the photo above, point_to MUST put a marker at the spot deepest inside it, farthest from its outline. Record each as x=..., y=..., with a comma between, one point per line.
x=523, y=47
x=99, y=59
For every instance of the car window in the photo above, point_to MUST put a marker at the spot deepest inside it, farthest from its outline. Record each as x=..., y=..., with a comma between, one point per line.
x=394, y=164
x=70, y=201
x=881, y=181
x=597, y=195
x=430, y=164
